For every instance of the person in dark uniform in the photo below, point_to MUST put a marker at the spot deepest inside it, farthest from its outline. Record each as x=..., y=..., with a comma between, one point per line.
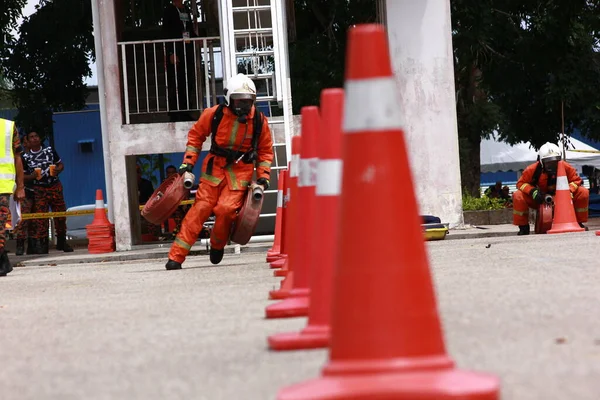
x=43, y=165
x=25, y=228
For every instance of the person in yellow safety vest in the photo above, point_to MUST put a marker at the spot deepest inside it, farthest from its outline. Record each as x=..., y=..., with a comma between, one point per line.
x=11, y=181
x=241, y=138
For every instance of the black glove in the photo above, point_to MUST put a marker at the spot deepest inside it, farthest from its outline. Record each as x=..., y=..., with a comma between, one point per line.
x=538, y=196
x=183, y=168
x=264, y=182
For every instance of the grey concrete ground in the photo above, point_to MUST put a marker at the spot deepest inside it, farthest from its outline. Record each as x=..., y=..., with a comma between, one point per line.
x=526, y=309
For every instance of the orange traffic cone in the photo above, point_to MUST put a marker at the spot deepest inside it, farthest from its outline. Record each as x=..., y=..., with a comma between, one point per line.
x=280, y=261
x=296, y=305
x=386, y=336
x=564, y=214
x=329, y=171
x=274, y=252
x=100, y=233
x=290, y=225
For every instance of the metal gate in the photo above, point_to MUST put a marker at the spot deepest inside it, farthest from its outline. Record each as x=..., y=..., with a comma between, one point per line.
x=254, y=42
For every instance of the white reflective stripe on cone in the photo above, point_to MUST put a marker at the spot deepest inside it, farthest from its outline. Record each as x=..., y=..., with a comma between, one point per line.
x=371, y=105
x=99, y=204
x=562, y=183
x=307, y=172
x=329, y=178
x=279, y=198
x=295, y=165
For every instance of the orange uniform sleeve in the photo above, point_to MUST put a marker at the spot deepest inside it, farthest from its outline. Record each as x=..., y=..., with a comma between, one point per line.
x=197, y=135
x=265, y=152
x=523, y=182
x=573, y=177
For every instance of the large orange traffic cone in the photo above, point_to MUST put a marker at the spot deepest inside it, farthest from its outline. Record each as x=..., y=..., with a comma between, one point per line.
x=386, y=336
x=100, y=233
x=274, y=252
x=290, y=226
x=329, y=171
x=296, y=305
x=564, y=214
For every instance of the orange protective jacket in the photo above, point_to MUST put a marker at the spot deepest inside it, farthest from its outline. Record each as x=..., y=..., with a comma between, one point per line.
x=527, y=185
x=231, y=135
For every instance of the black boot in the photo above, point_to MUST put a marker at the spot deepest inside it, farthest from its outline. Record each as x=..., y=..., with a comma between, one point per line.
x=20, y=247
x=583, y=226
x=523, y=230
x=43, y=246
x=216, y=255
x=61, y=244
x=5, y=266
x=30, y=246
x=36, y=246
x=172, y=265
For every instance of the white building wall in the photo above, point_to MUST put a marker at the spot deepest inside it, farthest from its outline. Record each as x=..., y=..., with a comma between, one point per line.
x=420, y=40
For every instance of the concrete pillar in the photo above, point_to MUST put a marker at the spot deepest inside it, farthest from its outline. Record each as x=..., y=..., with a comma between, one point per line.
x=112, y=88
x=420, y=40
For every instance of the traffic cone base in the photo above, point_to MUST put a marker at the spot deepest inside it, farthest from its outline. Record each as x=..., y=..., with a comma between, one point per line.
x=285, y=289
x=315, y=337
x=282, y=272
x=423, y=385
x=273, y=257
x=279, y=263
x=289, y=308
x=280, y=294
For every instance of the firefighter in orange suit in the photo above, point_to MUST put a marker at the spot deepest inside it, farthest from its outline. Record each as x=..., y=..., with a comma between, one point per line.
x=240, y=138
x=539, y=179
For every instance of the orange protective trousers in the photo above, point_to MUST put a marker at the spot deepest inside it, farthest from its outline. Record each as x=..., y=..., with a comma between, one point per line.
x=218, y=199
x=522, y=202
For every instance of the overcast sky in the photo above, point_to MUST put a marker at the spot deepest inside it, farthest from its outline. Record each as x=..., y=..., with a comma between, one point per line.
x=30, y=9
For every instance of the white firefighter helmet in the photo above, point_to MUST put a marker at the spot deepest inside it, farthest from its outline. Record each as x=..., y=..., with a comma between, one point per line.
x=240, y=87
x=549, y=153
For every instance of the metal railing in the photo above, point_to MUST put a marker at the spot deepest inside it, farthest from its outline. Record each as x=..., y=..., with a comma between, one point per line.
x=170, y=75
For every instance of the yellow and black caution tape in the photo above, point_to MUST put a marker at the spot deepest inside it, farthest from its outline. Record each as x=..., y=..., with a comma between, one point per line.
x=71, y=213
x=57, y=214
x=183, y=203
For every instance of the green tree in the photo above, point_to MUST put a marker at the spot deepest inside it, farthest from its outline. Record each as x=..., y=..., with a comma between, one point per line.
x=317, y=56
x=10, y=12
x=48, y=63
x=519, y=64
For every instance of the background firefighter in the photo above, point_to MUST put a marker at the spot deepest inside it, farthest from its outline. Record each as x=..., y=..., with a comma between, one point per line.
x=11, y=180
x=227, y=170
x=539, y=179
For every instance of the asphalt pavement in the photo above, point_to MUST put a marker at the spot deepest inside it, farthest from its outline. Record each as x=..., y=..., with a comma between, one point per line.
x=523, y=308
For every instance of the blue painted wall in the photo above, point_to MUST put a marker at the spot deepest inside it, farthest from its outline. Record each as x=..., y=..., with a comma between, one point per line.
x=84, y=172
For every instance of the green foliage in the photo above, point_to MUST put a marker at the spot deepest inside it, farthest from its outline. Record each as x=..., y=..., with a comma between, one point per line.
x=317, y=56
x=471, y=203
x=517, y=63
x=48, y=63
x=9, y=13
